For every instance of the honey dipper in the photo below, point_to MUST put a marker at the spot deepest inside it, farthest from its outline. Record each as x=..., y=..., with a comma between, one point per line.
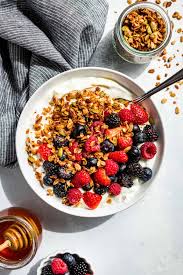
x=16, y=237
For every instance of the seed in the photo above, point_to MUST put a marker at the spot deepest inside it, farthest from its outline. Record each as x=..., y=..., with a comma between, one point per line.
x=172, y=94
x=177, y=110
x=60, y=152
x=151, y=71
x=163, y=101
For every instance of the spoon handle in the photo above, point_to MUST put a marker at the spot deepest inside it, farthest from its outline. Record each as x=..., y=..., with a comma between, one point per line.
x=171, y=80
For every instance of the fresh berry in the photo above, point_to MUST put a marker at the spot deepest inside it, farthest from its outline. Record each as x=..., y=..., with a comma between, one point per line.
x=148, y=150
x=73, y=147
x=47, y=180
x=101, y=177
x=91, y=162
x=50, y=167
x=112, y=120
x=122, y=168
x=124, y=142
x=81, y=268
x=134, y=154
x=74, y=196
x=113, y=178
x=139, y=137
x=111, y=167
x=118, y=156
x=147, y=174
x=60, y=141
x=60, y=190
x=47, y=270
x=100, y=190
x=92, y=200
x=141, y=116
x=96, y=127
x=151, y=133
x=79, y=129
x=63, y=157
x=106, y=113
x=136, y=128
x=58, y=266
x=78, y=156
x=125, y=180
x=92, y=145
x=135, y=169
x=110, y=133
x=126, y=115
x=87, y=187
x=115, y=189
x=107, y=146
x=69, y=259
x=44, y=151
x=81, y=178
x=63, y=174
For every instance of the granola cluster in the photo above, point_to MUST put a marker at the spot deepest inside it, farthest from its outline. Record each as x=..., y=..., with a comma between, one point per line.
x=144, y=29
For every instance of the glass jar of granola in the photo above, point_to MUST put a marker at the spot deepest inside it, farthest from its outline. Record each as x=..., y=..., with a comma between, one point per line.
x=142, y=32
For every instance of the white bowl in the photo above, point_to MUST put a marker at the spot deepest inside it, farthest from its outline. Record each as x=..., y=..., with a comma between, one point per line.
x=37, y=101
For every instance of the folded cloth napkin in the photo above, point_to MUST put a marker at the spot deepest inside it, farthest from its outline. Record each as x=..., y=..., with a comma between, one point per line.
x=39, y=39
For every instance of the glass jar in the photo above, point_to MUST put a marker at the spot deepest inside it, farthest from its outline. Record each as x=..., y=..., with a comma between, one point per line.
x=127, y=52
x=25, y=230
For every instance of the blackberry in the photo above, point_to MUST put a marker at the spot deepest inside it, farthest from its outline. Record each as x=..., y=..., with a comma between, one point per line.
x=79, y=129
x=92, y=162
x=107, y=146
x=113, y=178
x=125, y=180
x=139, y=137
x=122, y=168
x=60, y=190
x=100, y=190
x=60, y=141
x=135, y=169
x=147, y=174
x=63, y=174
x=151, y=133
x=134, y=154
x=87, y=187
x=136, y=128
x=81, y=268
x=46, y=270
x=47, y=180
x=50, y=167
x=113, y=120
x=63, y=157
x=68, y=259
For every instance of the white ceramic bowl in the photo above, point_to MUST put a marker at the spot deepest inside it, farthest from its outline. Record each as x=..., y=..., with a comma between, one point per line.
x=37, y=101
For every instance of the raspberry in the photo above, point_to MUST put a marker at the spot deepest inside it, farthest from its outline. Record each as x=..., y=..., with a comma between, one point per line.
x=73, y=147
x=78, y=156
x=111, y=167
x=148, y=150
x=81, y=178
x=58, y=266
x=141, y=116
x=92, y=200
x=92, y=145
x=118, y=156
x=101, y=178
x=44, y=151
x=126, y=115
x=124, y=142
x=96, y=126
x=74, y=196
x=115, y=189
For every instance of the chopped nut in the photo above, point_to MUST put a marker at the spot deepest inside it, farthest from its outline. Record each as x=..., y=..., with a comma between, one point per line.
x=158, y=1
x=177, y=110
x=176, y=86
x=172, y=94
x=181, y=39
x=173, y=42
x=129, y=2
x=157, y=84
x=158, y=77
x=170, y=59
x=177, y=15
x=163, y=101
x=151, y=71
x=167, y=4
x=179, y=30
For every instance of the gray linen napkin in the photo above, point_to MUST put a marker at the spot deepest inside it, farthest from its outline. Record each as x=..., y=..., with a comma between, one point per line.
x=39, y=39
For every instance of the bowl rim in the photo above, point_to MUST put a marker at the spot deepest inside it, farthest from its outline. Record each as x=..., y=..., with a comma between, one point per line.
x=70, y=210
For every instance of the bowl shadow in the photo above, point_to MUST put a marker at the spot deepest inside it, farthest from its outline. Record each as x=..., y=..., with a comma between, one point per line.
x=33, y=269
x=106, y=56
x=20, y=194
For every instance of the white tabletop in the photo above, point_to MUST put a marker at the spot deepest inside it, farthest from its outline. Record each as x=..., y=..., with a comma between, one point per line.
x=145, y=239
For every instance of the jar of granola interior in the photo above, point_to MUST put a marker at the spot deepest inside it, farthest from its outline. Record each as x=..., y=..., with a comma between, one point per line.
x=142, y=32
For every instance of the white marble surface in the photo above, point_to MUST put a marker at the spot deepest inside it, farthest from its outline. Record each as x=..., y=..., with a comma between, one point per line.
x=143, y=240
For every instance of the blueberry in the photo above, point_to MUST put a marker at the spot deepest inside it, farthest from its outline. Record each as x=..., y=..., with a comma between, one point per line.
x=87, y=187
x=122, y=168
x=79, y=129
x=136, y=128
x=91, y=162
x=100, y=190
x=63, y=157
x=107, y=146
x=60, y=190
x=47, y=180
x=68, y=259
x=113, y=178
x=60, y=141
x=139, y=137
x=63, y=174
x=134, y=154
x=147, y=174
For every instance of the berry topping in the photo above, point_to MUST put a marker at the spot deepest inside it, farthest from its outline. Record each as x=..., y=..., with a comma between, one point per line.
x=151, y=133
x=125, y=180
x=92, y=145
x=113, y=178
x=141, y=116
x=124, y=142
x=135, y=169
x=115, y=189
x=58, y=266
x=134, y=154
x=81, y=268
x=74, y=196
x=78, y=156
x=47, y=270
x=126, y=115
x=118, y=156
x=112, y=120
x=147, y=174
x=79, y=129
x=139, y=137
x=92, y=200
x=50, y=167
x=73, y=147
x=69, y=259
x=60, y=141
x=91, y=162
x=44, y=151
x=63, y=174
x=47, y=180
x=100, y=190
x=148, y=150
x=111, y=167
x=87, y=187
x=81, y=178
x=60, y=190
x=107, y=146
x=122, y=168
x=136, y=128
x=101, y=177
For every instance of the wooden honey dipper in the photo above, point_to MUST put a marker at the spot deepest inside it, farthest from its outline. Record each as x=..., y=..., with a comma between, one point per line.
x=16, y=237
